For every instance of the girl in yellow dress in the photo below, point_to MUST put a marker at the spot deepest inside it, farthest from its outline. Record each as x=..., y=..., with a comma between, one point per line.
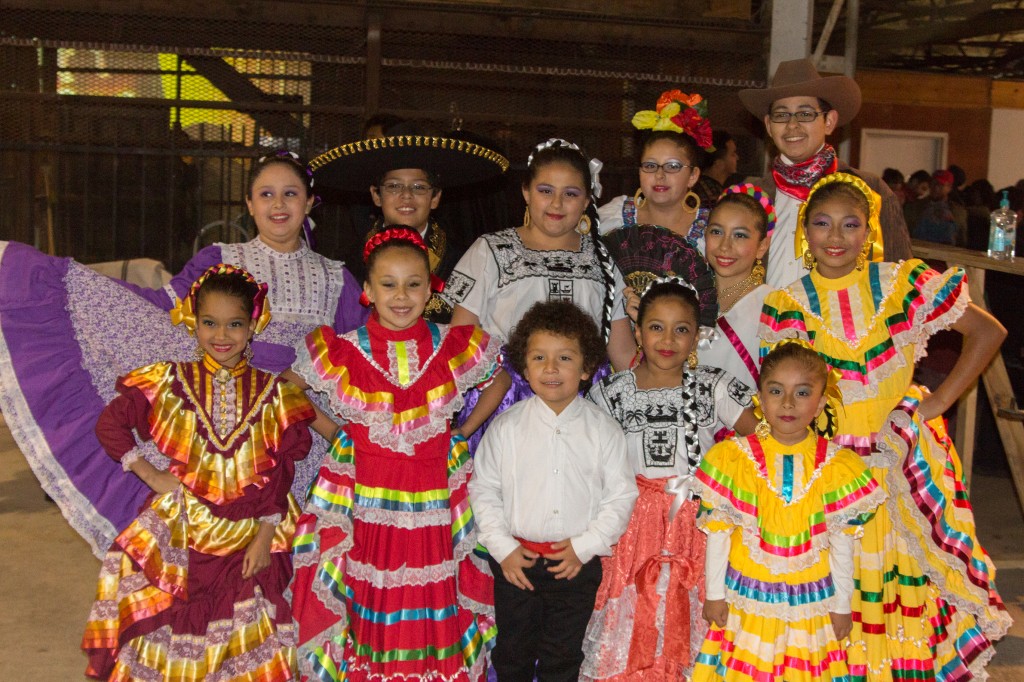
x=925, y=607
x=782, y=509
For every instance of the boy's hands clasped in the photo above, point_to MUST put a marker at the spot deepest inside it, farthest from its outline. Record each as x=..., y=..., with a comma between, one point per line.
x=567, y=564
x=512, y=567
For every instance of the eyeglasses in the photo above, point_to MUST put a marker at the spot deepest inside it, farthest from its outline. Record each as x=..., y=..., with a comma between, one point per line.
x=803, y=116
x=669, y=167
x=418, y=189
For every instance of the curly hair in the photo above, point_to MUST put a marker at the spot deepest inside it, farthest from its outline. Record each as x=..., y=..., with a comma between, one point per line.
x=793, y=351
x=561, y=319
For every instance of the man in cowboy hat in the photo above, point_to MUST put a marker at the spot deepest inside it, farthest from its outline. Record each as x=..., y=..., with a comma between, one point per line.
x=800, y=108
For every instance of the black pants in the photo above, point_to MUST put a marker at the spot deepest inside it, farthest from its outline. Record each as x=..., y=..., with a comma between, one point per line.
x=540, y=633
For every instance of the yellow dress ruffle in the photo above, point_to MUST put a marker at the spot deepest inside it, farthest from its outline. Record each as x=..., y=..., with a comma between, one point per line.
x=925, y=607
x=780, y=504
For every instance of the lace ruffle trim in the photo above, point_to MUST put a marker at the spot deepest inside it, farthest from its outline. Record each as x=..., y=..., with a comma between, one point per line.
x=750, y=530
x=993, y=622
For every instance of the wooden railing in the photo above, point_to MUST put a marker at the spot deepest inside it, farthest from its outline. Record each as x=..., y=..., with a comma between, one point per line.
x=997, y=381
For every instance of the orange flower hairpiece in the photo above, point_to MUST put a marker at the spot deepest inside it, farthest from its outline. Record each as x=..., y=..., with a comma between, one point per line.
x=184, y=310
x=680, y=113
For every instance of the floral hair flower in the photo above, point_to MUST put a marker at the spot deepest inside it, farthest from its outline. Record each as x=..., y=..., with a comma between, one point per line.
x=680, y=113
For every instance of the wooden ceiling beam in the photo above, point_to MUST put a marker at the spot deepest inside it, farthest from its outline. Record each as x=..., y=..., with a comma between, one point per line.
x=196, y=23
x=988, y=23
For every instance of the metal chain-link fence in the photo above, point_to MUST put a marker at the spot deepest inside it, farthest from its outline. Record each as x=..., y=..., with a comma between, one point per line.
x=130, y=135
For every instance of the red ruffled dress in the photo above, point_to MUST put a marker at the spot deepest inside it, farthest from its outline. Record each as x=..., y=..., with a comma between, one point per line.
x=171, y=602
x=387, y=585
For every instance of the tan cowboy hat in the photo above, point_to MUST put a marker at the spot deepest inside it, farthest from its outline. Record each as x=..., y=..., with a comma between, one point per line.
x=799, y=78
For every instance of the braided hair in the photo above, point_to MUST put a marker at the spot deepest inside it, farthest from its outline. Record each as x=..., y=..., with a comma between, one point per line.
x=562, y=151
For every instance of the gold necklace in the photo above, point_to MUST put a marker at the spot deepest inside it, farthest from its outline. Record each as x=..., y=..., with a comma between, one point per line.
x=738, y=291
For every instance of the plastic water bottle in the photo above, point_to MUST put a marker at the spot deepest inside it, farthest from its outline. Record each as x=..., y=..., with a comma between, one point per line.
x=1002, y=233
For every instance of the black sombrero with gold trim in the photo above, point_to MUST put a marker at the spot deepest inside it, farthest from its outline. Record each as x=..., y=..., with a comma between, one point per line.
x=357, y=165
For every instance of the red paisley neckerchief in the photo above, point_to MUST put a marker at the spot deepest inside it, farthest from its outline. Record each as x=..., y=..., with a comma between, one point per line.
x=797, y=179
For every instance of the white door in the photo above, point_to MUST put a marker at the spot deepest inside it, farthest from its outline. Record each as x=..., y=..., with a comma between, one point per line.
x=904, y=150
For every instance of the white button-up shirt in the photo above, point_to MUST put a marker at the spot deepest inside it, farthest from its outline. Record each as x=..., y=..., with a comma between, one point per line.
x=545, y=478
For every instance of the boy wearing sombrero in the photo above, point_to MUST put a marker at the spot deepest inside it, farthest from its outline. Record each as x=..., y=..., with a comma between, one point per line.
x=405, y=174
x=800, y=109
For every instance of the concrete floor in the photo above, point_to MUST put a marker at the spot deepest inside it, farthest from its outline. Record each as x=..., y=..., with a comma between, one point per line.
x=48, y=575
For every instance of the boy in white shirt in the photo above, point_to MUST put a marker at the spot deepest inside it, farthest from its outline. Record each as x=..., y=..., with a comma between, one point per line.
x=552, y=491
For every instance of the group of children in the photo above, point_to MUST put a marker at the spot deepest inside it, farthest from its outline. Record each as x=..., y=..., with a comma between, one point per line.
x=612, y=532
x=495, y=494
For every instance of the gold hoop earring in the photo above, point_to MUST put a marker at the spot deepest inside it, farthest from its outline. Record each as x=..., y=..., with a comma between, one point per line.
x=694, y=200
x=639, y=199
x=763, y=429
x=583, y=227
x=691, y=361
x=526, y=217
x=758, y=271
x=808, y=260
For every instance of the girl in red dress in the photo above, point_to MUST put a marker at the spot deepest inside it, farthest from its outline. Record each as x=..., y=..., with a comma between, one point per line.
x=387, y=584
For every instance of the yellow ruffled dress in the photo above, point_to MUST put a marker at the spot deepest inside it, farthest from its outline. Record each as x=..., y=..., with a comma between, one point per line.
x=925, y=604
x=780, y=504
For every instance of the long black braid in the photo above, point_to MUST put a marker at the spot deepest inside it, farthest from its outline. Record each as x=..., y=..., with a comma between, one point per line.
x=608, y=269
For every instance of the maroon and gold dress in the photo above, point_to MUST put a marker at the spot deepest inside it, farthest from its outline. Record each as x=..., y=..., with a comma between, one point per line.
x=171, y=601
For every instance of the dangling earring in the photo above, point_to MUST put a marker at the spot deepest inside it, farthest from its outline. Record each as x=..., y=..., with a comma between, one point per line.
x=694, y=202
x=637, y=357
x=639, y=199
x=808, y=260
x=862, y=257
x=584, y=225
x=247, y=353
x=691, y=361
x=199, y=353
x=526, y=217
x=364, y=300
x=757, y=272
x=763, y=429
